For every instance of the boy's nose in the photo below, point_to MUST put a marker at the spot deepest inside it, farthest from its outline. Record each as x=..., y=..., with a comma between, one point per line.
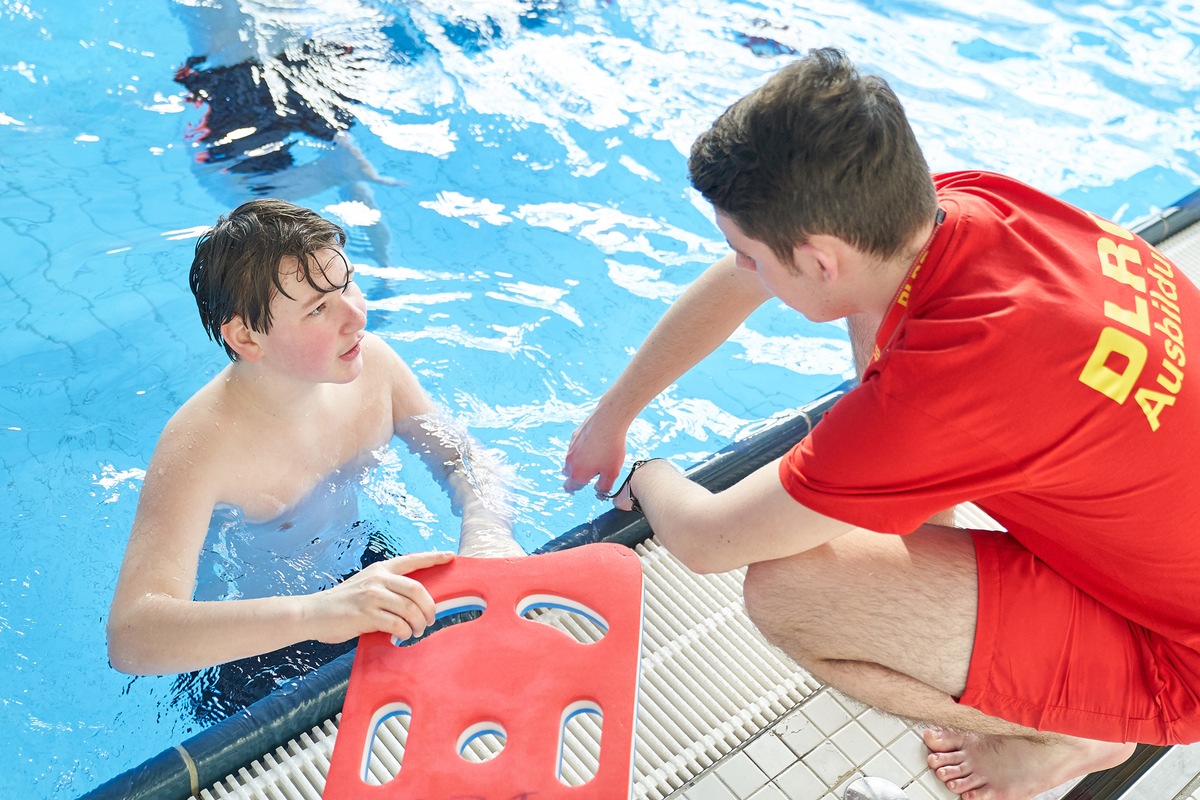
x=358, y=315
x=356, y=312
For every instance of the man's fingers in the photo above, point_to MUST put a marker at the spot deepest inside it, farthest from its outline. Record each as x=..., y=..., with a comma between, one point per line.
x=395, y=593
x=605, y=483
x=574, y=477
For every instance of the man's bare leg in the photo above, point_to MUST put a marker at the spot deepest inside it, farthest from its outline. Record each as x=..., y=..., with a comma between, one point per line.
x=890, y=621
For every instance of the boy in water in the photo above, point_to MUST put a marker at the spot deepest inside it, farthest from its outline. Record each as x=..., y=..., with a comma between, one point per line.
x=308, y=392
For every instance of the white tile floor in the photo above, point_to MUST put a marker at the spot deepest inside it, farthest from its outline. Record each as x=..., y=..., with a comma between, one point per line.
x=817, y=750
x=796, y=759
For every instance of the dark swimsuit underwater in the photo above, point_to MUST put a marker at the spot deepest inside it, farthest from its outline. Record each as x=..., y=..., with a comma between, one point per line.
x=315, y=545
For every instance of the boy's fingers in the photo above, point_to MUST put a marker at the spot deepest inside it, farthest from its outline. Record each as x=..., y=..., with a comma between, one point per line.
x=410, y=596
x=401, y=629
x=403, y=612
x=414, y=561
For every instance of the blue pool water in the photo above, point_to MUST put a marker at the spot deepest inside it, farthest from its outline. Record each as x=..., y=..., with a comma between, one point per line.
x=541, y=224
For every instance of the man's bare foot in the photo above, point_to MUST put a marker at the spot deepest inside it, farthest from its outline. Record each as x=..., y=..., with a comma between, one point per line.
x=982, y=767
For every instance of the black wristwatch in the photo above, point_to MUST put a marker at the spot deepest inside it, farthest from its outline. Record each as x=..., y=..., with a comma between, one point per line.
x=633, y=501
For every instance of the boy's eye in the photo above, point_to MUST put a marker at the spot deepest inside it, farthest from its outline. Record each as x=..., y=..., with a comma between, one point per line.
x=316, y=312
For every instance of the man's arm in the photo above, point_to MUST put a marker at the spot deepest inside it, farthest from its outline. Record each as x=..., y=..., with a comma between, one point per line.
x=703, y=317
x=754, y=520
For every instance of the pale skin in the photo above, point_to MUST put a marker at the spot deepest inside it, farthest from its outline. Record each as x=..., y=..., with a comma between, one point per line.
x=889, y=620
x=315, y=393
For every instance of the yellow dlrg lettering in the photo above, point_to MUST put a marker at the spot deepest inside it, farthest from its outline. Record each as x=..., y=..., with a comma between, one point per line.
x=1138, y=319
x=1114, y=384
x=1175, y=351
x=1152, y=404
x=1114, y=259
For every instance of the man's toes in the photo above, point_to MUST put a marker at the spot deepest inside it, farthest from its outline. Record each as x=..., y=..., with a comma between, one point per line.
x=943, y=740
x=952, y=771
x=964, y=785
x=937, y=760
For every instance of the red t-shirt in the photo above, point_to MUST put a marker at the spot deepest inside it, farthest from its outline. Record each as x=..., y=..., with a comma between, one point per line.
x=1039, y=371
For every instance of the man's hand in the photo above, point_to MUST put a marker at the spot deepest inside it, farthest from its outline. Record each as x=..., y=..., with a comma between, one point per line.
x=380, y=598
x=597, y=449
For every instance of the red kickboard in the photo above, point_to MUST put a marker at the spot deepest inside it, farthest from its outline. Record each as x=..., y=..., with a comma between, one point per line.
x=502, y=674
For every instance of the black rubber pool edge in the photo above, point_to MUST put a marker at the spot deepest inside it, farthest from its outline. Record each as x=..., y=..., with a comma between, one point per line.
x=1113, y=783
x=232, y=744
x=222, y=749
x=1170, y=221
x=719, y=471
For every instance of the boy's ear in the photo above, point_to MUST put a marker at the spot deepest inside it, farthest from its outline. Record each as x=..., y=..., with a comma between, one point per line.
x=241, y=339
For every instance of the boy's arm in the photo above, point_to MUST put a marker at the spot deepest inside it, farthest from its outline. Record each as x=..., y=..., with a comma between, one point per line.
x=473, y=477
x=154, y=625
x=703, y=317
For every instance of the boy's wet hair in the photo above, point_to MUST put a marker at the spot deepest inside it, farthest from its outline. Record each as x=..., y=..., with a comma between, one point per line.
x=236, y=270
x=818, y=149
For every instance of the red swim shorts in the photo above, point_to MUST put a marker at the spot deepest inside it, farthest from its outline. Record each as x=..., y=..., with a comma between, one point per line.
x=1050, y=657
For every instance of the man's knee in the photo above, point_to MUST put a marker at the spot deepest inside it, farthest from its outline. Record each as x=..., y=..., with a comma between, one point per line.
x=779, y=601
x=758, y=592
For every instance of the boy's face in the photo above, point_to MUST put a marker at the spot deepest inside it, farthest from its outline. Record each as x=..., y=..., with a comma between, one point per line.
x=316, y=335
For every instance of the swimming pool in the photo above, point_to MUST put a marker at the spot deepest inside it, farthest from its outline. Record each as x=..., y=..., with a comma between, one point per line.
x=543, y=223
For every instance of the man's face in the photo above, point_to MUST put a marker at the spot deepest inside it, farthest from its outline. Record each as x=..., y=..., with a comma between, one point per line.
x=799, y=284
x=316, y=335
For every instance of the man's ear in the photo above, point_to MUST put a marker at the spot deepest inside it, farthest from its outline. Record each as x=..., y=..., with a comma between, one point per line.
x=823, y=254
x=241, y=339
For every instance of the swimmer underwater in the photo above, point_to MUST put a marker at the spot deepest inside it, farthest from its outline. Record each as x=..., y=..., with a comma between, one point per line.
x=308, y=391
x=1015, y=352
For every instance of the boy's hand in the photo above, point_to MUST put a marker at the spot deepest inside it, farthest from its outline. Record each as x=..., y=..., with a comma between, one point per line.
x=379, y=598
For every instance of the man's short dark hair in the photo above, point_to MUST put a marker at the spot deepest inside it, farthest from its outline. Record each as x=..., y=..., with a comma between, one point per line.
x=818, y=149
x=236, y=270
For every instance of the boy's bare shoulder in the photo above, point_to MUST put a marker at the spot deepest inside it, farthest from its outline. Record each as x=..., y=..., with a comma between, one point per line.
x=379, y=353
x=194, y=440
x=408, y=398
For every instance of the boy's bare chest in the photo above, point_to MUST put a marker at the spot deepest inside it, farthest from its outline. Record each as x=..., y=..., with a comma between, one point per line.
x=278, y=465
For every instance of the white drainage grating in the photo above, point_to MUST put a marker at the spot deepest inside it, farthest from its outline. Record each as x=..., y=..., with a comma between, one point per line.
x=1184, y=249
x=709, y=683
